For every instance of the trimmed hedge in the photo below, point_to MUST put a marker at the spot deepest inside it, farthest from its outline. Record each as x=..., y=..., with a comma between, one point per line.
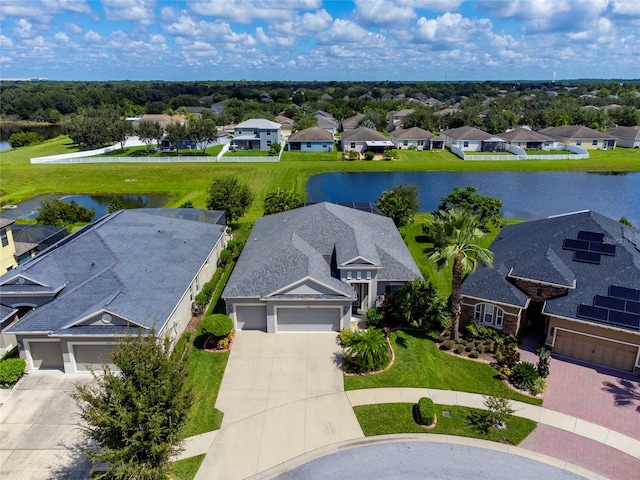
x=11, y=370
x=217, y=325
x=426, y=411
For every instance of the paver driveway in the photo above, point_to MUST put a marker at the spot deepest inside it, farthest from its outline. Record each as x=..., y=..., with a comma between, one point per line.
x=38, y=427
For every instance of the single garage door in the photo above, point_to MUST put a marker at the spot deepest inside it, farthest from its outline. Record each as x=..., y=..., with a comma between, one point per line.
x=595, y=350
x=46, y=355
x=92, y=356
x=251, y=317
x=308, y=319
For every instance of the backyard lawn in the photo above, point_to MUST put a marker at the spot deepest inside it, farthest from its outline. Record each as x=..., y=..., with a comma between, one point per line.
x=420, y=364
x=391, y=418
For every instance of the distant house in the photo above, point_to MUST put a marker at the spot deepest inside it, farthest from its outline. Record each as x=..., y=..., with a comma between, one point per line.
x=162, y=118
x=396, y=119
x=574, y=279
x=130, y=271
x=314, y=139
x=257, y=134
x=472, y=139
x=7, y=246
x=197, y=111
x=218, y=107
x=286, y=124
x=528, y=139
x=581, y=136
x=352, y=122
x=32, y=239
x=627, y=137
x=415, y=138
x=326, y=121
x=365, y=139
x=311, y=268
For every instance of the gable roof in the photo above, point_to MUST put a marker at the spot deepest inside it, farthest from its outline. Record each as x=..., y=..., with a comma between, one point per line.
x=282, y=120
x=137, y=264
x=534, y=251
x=363, y=134
x=467, y=133
x=312, y=242
x=413, y=133
x=576, y=132
x=313, y=134
x=525, y=135
x=260, y=123
x=352, y=122
x=626, y=132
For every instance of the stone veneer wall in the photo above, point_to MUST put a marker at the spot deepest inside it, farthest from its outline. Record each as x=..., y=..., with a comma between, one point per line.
x=510, y=323
x=539, y=292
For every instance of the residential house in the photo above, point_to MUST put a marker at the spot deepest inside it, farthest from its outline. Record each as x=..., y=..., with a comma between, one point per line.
x=314, y=139
x=627, y=137
x=581, y=136
x=472, y=139
x=128, y=272
x=574, y=279
x=528, y=139
x=257, y=134
x=310, y=268
x=7, y=246
x=30, y=239
x=396, y=119
x=327, y=122
x=415, y=138
x=364, y=139
x=218, y=107
x=162, y=118
x=352, y=122
x=286, y=124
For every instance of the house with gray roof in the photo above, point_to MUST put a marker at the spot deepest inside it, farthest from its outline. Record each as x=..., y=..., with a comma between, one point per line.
x=256, y=134
x=581, y=136
x=472, y=139
x=352, y=122
x=415, y=138
x=314, y=139
x=573, y=279
x=364, y=139
x=309, y=268
x=628, y=137
x=528, y=139
x=130, y=271
x=326, y=121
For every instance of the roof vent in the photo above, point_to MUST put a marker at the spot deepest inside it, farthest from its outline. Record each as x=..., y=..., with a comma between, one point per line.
x=106, y=318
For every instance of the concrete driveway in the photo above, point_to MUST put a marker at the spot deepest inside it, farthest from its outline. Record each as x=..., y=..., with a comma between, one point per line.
x=39, y=429
x=282, y=396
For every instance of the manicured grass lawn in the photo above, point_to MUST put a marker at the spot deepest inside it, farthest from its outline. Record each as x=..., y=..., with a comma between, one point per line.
x=186, y=469
x=420, y=364
x=141, y=151
x=390, y=418
x=247, y=153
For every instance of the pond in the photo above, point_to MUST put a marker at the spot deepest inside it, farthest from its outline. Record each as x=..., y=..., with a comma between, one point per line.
x=525, y=195
x=29, y=208
x=8, y=129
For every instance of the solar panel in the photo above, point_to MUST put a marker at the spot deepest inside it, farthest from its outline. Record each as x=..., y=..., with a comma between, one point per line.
x=625, y=319
x=609, y=302
x=604, y=248
x=571, y=244
x=624, y=292
x=633, y=307
x=590, y=236
x=593, y=313
x=586, y=257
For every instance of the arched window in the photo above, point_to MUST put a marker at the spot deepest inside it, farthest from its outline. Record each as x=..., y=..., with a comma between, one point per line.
x=488, y=314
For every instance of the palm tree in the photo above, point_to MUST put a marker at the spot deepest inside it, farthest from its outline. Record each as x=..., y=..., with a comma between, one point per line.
x=454, y=234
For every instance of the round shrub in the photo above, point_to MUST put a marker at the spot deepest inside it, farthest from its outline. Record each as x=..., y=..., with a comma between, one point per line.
x=480, y=348
x=524, y=375
x=426, y=411
x=474, y=354
x=369, y=155
x=225, y=257
x=375, y=317
x=367, y=351
x=202, y=299
x=442, y=338
x=217, y=325
x=469, y=347
x=539, y=385
x=459, y=349
x=490, y=347
x=208, y=289
x=11, y=370
x=447, y=345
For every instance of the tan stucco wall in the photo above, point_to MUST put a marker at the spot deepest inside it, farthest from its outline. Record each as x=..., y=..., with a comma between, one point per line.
x=7, y=253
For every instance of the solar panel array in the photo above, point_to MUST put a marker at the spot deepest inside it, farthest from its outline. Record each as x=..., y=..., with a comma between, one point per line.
x=589, y=247
x=621, y=307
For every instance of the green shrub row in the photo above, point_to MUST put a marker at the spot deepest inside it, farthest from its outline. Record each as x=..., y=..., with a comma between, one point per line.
x=202, y=299
x=11, y=370
x=426, y=411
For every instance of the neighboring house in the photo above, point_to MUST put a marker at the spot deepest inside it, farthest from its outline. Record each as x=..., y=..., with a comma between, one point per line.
x=352, y=122
x=218, y=107
x=574, y=279
x=314, y=139
x=161, y=118
x=627, y=137
x=257, y=134
x=396, y=119
x=286, y=124
x=364, y=139
x=326, y=121
x=472, y=139
x=416, y=138
x=580, y=136
x=310, y=268
x=197, y=111
x=528, y=139
x=7, y=246
x=128, y=271
x=31, y=239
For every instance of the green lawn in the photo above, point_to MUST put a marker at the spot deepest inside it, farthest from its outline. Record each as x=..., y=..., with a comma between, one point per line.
x=420, y=364
x=390, y=418
x=247, y=153
x=186, y=469
x=141, y=151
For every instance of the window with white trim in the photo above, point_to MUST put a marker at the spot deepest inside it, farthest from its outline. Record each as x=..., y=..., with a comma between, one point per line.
x=488, y=314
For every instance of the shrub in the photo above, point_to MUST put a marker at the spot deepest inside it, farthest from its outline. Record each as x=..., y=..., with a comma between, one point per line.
x=498, y=410
x=539, y=386
x=217, y=325
x=209, y=287
x=426, y=411
x=505, y=372
x=523, y=375
x=202, y=299
x=369, y=155
x=225, y=258
x=480, y=348
x=352, y=155
x=442, y=338
x=510, y=354
x=224, y=342
x=468, y=347
x=490, y=347
x=22, y=139
x=375, y=317
x=11, y=370
x=459, y=349
x=345, y=336
x=447, y=345
x=367, y=351
x=474, y=354
x=544, y=361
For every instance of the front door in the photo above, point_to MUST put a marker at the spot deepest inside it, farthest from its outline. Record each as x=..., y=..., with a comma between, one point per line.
x=361, y=303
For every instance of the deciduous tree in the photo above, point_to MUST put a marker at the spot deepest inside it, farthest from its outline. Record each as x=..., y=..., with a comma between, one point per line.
x=228, y=194
x=486, y=209
x=148, y=132
x=400, y=203
x=280, y=201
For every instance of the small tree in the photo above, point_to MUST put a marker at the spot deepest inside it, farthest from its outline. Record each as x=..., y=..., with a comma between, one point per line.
x=486, y=209
x=280, y=201
x=115, y=205
x=400, y=203
x=148, y=132
x=228, y=194
x=498, y=410
x=275, y=149
x=366, y=351
x=417, y=304
x=625, y=221
x=132, y=418
x=175, y=133
x=57, y=212
x=121, y=130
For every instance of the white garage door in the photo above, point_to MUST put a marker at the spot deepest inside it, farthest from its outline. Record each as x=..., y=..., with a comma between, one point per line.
x=92, y=356
x=46, y=355
x=251, y=317
x=595, y=350
x=308, y=319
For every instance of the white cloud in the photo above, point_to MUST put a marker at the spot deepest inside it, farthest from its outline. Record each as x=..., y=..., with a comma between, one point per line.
x=130, y=10
x=626, y=7
x=215, y=32
x=315, y=22
x=42, y=8
x=452, y=28
x=382, y=12
x=92, y=36
x=61, y=37
x=246, y=11
x=274, y=40
x=23, y=28
x=73, y=28
x=5, y=41
x=156, y=38
x=348, y=32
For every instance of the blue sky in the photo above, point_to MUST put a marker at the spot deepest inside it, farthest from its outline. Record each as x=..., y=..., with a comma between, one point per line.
x=430, y=40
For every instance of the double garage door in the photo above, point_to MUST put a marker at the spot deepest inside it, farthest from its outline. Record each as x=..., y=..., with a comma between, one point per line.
x=48, y=355
x=595, y=350
x=290, y=319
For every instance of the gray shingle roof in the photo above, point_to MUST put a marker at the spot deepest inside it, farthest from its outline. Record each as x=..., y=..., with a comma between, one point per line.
x=136, y=264
x=525, y=135
x=313, y=134
x=413, y=133
x=258, y=123
x=363, y=134
x=626, y=132
x=533, y=250
x=291, y=246
x=575, y=132
x=466, y=133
